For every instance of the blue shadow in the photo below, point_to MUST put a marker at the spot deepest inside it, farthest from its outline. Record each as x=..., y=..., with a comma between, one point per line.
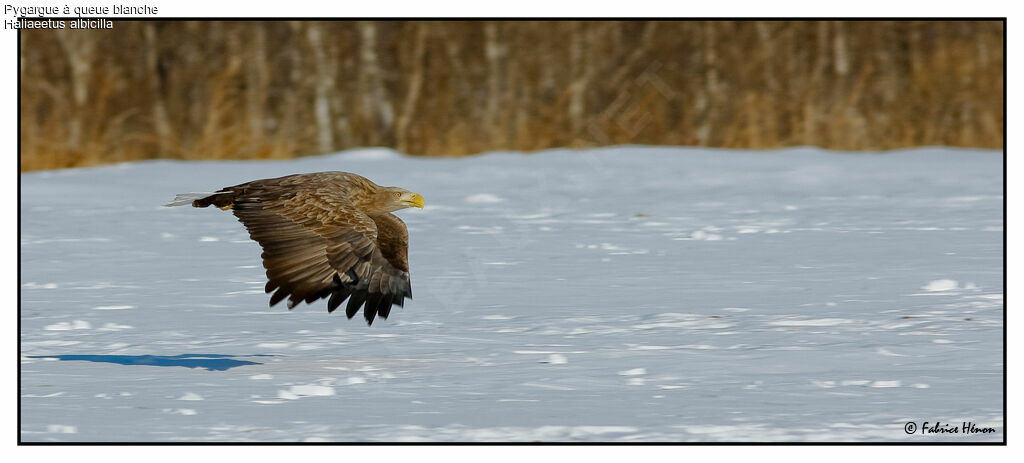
x=212, y=362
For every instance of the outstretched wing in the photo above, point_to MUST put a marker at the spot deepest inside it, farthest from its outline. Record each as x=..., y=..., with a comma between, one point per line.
x=312, y=242
x=389, y=282
x=317, y=244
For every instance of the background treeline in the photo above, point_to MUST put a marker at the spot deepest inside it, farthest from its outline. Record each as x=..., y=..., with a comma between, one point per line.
x=277, y=89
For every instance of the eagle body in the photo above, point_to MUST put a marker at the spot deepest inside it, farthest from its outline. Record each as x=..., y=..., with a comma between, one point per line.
x=325, y=235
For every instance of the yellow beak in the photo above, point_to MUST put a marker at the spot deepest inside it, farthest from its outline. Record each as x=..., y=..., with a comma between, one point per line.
x=413, y=200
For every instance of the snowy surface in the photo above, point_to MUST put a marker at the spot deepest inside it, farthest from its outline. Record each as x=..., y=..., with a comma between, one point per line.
x=618, y=294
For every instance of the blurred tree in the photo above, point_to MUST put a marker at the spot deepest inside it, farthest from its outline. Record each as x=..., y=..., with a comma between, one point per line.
x=275, y=89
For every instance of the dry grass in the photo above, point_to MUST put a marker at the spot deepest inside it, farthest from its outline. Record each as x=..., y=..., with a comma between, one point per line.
x=253, y=90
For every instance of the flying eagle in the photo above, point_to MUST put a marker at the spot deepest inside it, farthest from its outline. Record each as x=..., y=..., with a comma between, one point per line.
x=325, y=234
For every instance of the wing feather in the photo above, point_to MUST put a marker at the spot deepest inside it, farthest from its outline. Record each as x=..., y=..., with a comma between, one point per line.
x=391, y=263
x=310, y=233
x=318, y=244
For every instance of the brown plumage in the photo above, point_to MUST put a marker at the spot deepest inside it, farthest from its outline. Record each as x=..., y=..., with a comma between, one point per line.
x=328, y=234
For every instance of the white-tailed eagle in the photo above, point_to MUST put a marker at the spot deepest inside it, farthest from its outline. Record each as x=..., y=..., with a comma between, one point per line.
x=327, y=234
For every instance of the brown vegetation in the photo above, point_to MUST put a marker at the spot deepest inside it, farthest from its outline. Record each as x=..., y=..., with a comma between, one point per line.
x=277, y=89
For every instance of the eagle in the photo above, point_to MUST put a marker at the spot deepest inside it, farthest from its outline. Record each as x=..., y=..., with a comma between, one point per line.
x=325, y=234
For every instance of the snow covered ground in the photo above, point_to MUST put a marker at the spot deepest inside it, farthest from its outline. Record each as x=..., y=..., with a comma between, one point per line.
x=617, y=294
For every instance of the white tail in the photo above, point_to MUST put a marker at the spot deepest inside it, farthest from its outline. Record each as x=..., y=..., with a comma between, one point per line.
x=185, y=199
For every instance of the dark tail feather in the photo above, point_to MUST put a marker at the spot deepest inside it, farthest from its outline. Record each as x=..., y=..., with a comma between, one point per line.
x=221, y=199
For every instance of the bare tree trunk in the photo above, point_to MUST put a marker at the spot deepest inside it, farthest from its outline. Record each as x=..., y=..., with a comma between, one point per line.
x=493, y=53
x=814, y=91
x=707, y=99
x=257, y=80
x=842, y=57
x=768, y=122
x=165, y=139
x=376, y=104
x=632, y=63
x=412, y=93
x=324, y=89
x=79, y=55
x=577, y=89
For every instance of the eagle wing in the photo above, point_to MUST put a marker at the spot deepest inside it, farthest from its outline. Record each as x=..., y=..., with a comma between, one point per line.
x=316, y=244
x=389, y=279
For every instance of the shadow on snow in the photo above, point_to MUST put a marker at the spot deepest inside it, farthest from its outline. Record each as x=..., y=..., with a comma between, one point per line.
x=212, y=362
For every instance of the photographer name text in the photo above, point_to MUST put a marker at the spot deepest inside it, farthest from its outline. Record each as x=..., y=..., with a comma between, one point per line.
x=938, y=427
